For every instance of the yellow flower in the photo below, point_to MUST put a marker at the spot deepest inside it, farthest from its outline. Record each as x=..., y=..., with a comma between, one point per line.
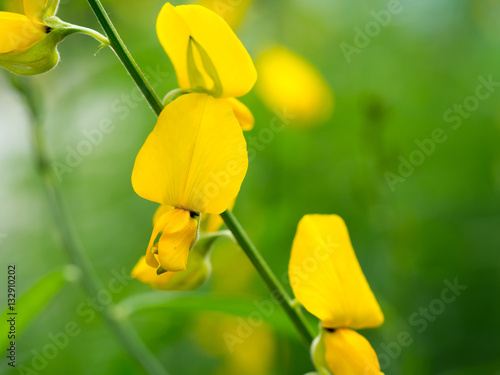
x=289, y=82
x=193, y=162
x=219, y=335
x=327, y=280
x=231, y=11
x=207, y=55
x=28, y=41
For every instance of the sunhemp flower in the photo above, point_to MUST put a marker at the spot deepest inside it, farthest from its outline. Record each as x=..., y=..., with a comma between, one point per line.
x=327, y=280
x=207, y=56
x=289, y=82
x=193, y=162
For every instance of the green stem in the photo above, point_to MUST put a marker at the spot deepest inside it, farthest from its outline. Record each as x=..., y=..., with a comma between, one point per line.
x=121, y=51
x=244, y=241
x=292, y=310
x=122, y=329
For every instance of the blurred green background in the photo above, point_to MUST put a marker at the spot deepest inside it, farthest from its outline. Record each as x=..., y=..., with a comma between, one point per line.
x=441, y=223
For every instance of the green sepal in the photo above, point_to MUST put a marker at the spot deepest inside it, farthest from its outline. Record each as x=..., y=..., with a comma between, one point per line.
x=50, y=9
x=318, y=353
x=196, y=79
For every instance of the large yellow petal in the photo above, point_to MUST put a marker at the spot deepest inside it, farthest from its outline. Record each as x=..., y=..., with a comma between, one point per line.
x=18, y=33
x=288, y=82
x=326, y=277
x=195, y=158
x=349, y=353
x=175, y=25
x=242, y=113
x=34, y=9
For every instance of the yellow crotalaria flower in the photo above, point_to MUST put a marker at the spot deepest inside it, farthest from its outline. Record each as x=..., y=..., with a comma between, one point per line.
x=194, y=161
x=326, y=277
x=327, y=280
x=349, y=353
x=207, y=55
x=288, y=82
x=28, y=41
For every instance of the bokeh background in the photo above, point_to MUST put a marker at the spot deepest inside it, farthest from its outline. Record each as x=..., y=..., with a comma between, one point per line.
x=438, y=223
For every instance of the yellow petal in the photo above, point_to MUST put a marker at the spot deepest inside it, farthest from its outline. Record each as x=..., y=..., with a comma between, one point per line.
x=210, y=223
x=195, y=158
x=160, y=211
x=326, y=277
x=288, y=82
x=34, y=8
x=18, y=33
x=147, y=274
x=179, y=235
x=242, y=113
x=175, y=25
x=197, y=271
x=349, y=353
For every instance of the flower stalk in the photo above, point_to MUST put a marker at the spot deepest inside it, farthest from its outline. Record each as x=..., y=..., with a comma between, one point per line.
x=121, y=51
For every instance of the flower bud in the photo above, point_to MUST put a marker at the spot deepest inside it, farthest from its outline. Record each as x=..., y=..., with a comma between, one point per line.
x=28, y=42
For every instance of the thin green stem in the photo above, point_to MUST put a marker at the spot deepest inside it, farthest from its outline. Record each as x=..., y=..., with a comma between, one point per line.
x=121, y=51
x=122, y=329
x=292, y=310
x=279, y=293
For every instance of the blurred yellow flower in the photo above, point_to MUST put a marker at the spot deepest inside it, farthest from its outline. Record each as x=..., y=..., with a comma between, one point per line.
x=221, y=336
x=327, y=280
x=27, y=43
x=231, y=11
x=207, y=55
x=193, y=162
x=288, y=82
